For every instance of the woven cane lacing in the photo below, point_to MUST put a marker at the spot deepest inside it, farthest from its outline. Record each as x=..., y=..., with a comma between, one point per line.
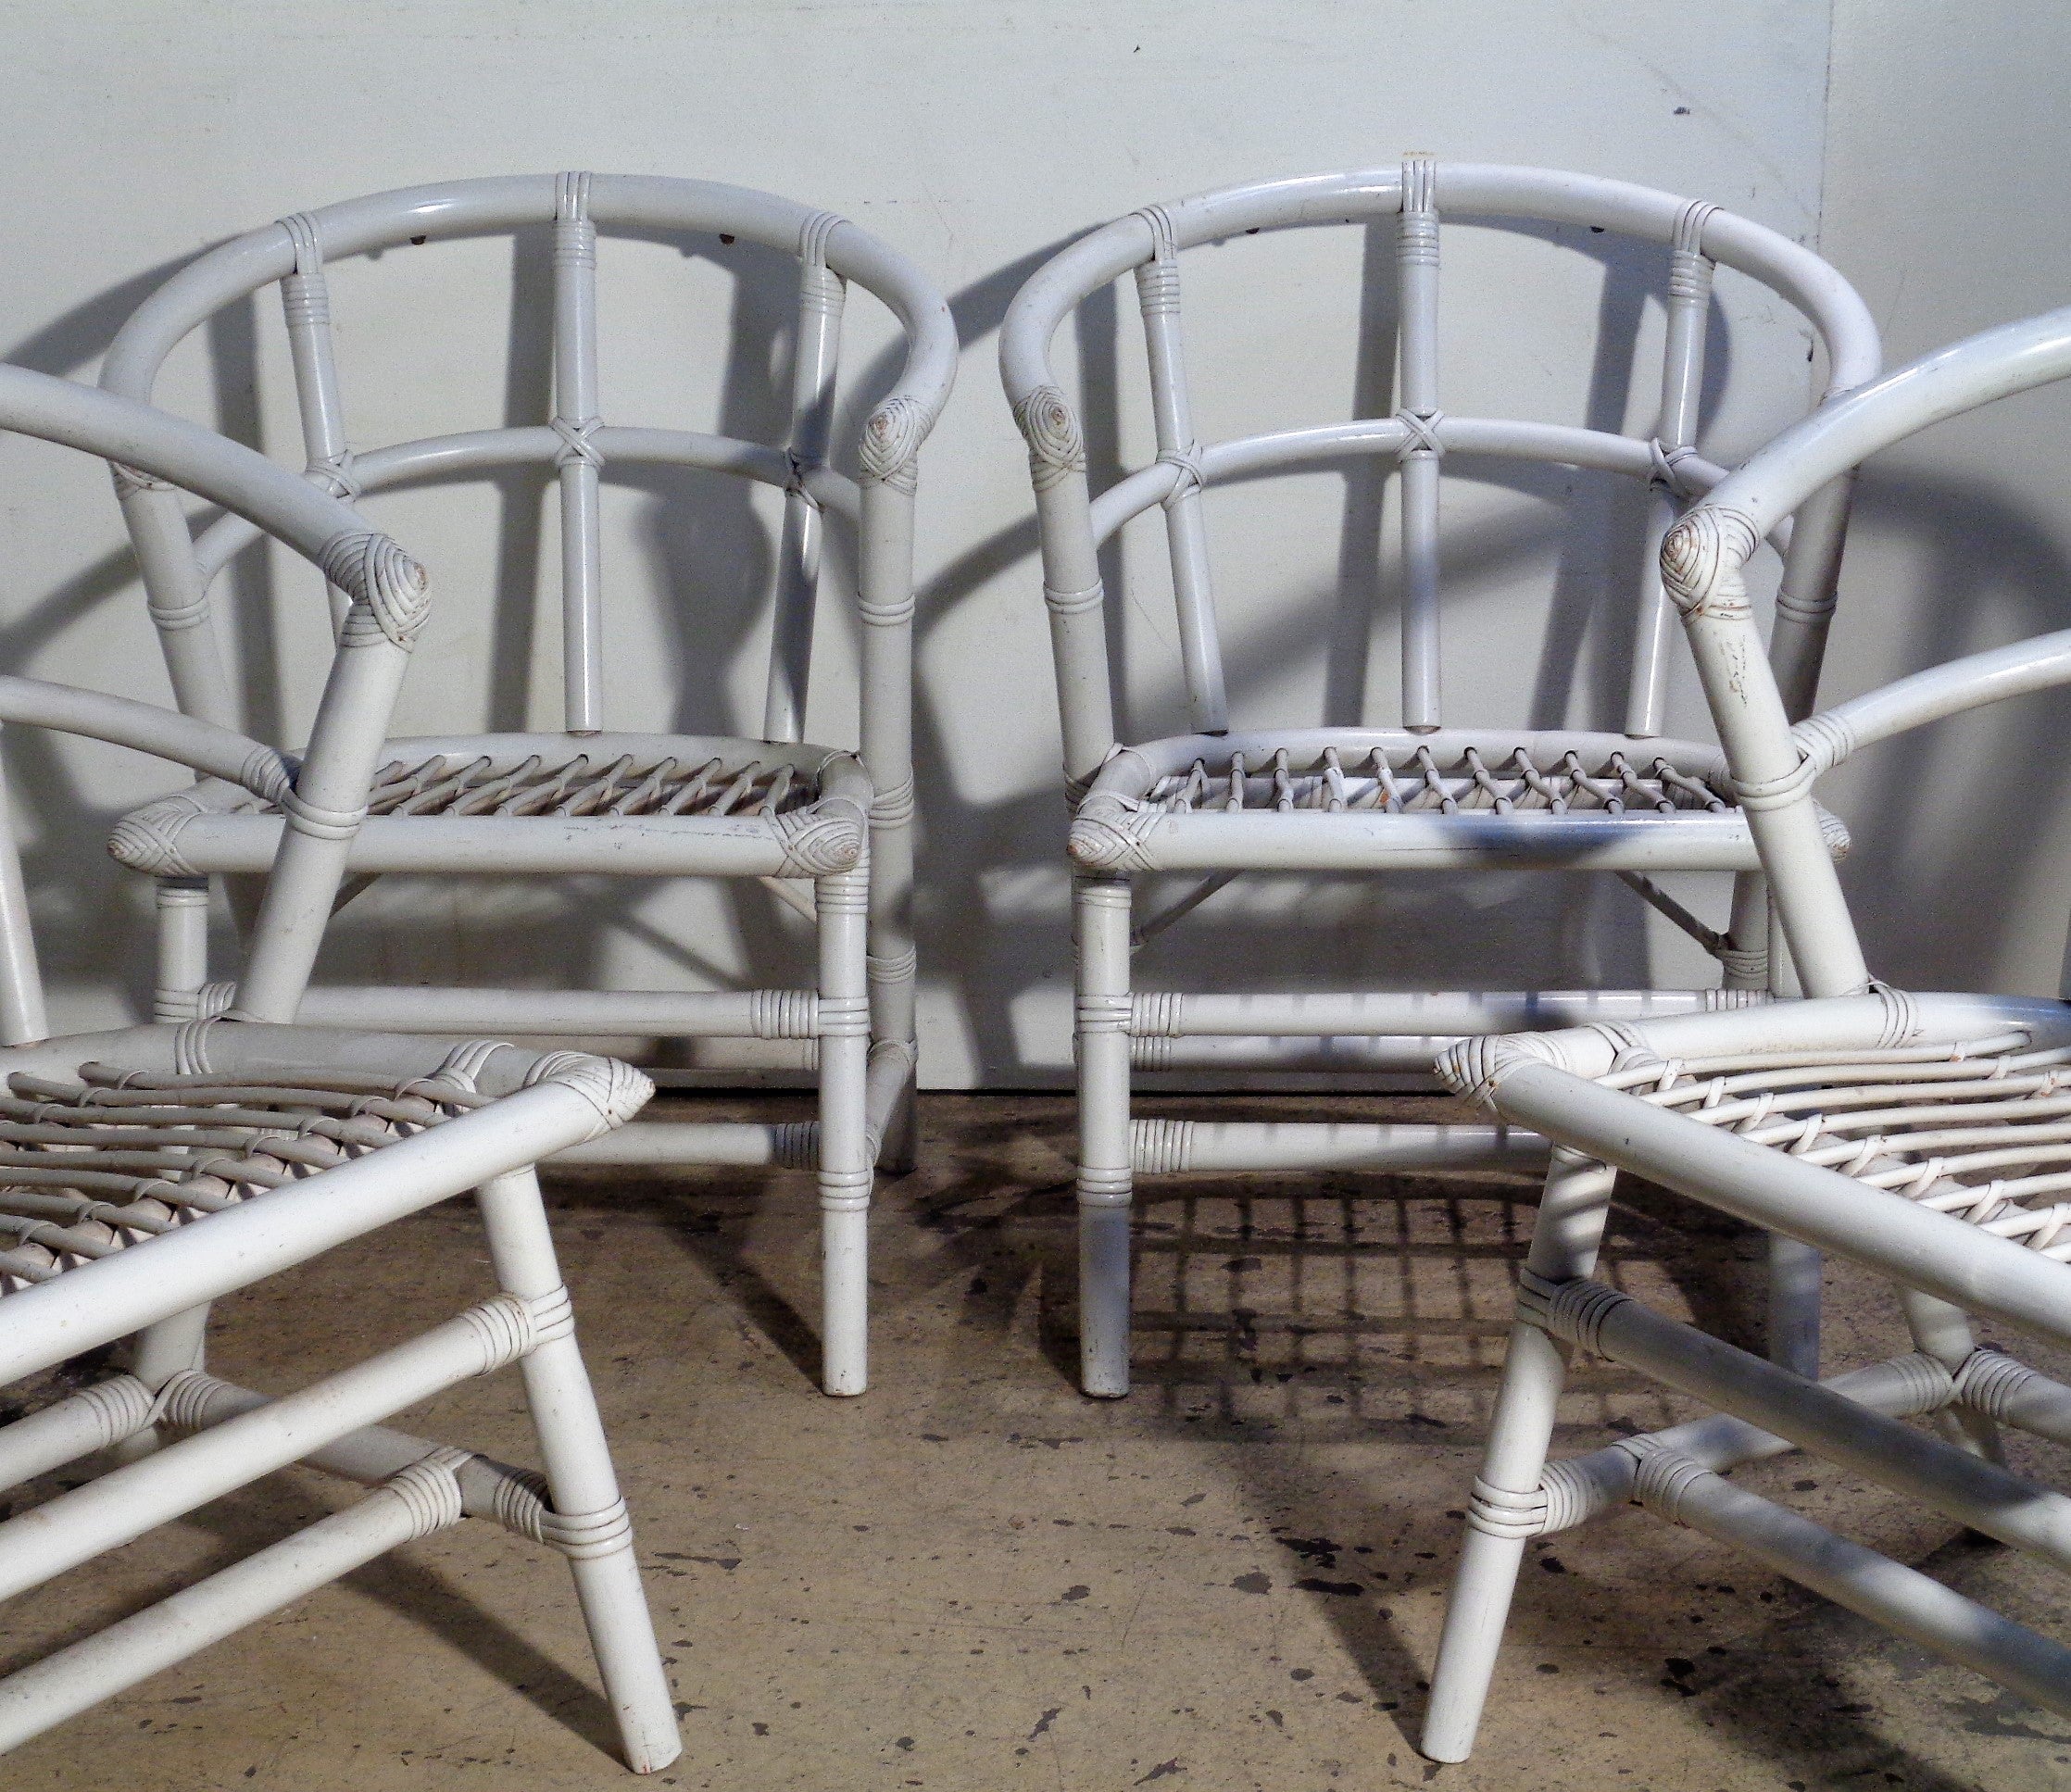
x=87, y=1168
x=1406, y=777
x=452, y=783
x=449, y=785
x=1981, y=1129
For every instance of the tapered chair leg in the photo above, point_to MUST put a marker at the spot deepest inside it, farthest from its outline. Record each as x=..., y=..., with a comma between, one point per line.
x=160, y=1351
x=846, y=1172
x=586, y=1518
x=1100, y=909
x=1745, y=961
x=893, y=965
x=898, y=1149
x=1506, y=1508
x=1795, y=1273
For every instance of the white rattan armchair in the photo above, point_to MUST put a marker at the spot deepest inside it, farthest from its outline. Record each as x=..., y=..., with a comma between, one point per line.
x=1428, y=795
x=587, y=800
x=150, y=1170
x=1921, y=1136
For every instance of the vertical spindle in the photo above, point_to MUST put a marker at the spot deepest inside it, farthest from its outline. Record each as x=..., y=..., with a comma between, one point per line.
x=1417, y=409
x=821, y=296
x=1682, y=378
x=1185, y=526
x=22, y=1016
x=306, y=309
x=575, y=422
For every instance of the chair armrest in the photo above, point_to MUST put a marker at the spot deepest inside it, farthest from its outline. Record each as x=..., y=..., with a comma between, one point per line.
x=1834, y=735
x=1992, y=363
x=165, y=734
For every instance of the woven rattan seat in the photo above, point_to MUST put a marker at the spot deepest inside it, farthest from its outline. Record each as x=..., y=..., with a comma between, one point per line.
x=89, y=1167
x=448, y=783
x=704, y=801
x=1465, y=798
x=1405, y=773
x=1981, y=1130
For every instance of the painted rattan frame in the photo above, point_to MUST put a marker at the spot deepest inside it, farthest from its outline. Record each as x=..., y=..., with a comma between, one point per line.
x=1616, y=1099
x=120, y=1225
x=861, y=1013
x=1134, y=814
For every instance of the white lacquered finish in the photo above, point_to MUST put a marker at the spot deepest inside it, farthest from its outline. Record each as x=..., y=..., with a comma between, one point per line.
x=1428, y=795
x=1921, y=1136
x=1174, y=1147
x=590, y=800
x=151, y=1171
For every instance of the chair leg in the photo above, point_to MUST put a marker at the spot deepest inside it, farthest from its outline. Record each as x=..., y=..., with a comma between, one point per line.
x=1504, y=1510
x=898, y=1149
x=1101, y=909
x=160, y=1351
x=891, y=1090
x=1795, y=1270
x=884, y=590
x=1746, y=961
x=157, y=1354
x=587, y=1521
x=1943, y=1331
x=893, y=965
x=846, y=1173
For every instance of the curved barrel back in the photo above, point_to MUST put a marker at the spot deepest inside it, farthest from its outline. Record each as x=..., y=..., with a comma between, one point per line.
x=1702, y=562
x=1075, y=522
x=324, y=797
x=576, y=441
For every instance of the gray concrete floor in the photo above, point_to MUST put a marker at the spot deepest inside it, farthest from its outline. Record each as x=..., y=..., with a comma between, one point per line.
x=974, y=1578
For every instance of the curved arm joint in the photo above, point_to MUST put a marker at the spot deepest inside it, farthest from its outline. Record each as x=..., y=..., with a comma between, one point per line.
x=617, y=1091
x=1704, y=559
x=1834, y=735
x=1056, y=445
x=390, y=592
x=892, y=438
x=1112, y=833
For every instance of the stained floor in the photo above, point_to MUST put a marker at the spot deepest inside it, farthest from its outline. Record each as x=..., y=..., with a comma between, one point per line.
x=973, y=1578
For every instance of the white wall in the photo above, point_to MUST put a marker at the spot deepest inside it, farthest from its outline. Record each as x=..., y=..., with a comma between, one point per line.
x=1946, y=202
x=976, y=137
